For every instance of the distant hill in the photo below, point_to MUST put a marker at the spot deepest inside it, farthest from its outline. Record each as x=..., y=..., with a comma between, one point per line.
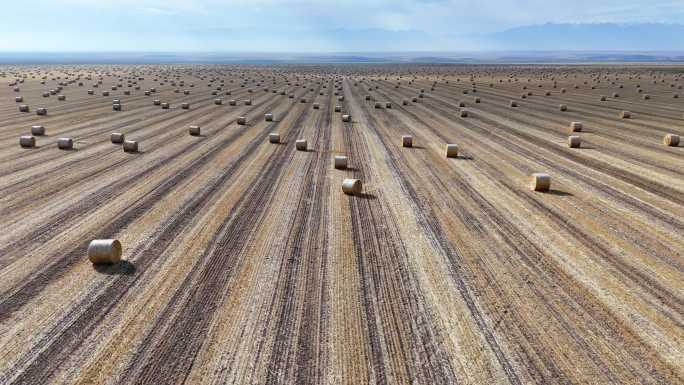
x=600, y=36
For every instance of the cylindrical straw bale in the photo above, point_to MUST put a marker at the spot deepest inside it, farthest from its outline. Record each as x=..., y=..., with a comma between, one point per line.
x=574, y=141
x=407, y=141
x=27, y=141
x=340, y=162
x=576, y=126
x=540, y=182
x=451, y=150
x=130, y=146
x=300, y=144
x=117, y=137
x=37, y=130
x=65, y=143
x=671, y=140
x=104, y=251
x=351, y=186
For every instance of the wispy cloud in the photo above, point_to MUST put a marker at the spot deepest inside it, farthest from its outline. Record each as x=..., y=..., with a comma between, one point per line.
x=301, y=25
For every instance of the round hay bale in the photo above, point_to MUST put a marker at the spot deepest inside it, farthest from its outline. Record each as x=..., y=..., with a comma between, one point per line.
x=218, y=102
x=405, y=102
x=540, y=182
x=388, y=105
x=514, y=103
x=61, y=97
x=27, y=141
x=574, y=141
x=346, y=118
x=18, y=99
x=232, y=102
x=185, y=106
x=105, y=93
x=104, y=251
x=340, y=98
x=165, y=106
x=130, y=146
x=24, y=108
x=274, y=137
x=575, y=126
x=407, y=141
x=563, y=107
x=242, y=120
x=351, y=186
x=268, y=117
x=248, y=102
x=451, y=150
x=625, y=115
x=117, y=137
x=603, y=98
x=116, y=107
x=41, y=111
x=316, y=106
x=378, y=105
x=300, y=144
x=671, y=140
x=65, y=143
x=477, y=100
x=156, y=102
x=338, y=108
x=194, y=130
x=340, y=162
x=37, y=130
x=368, y=97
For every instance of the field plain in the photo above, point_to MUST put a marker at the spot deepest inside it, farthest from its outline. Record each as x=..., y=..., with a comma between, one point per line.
x=245, y=263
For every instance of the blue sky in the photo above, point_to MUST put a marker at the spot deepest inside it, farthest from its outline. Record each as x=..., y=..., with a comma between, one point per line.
x=301, y=25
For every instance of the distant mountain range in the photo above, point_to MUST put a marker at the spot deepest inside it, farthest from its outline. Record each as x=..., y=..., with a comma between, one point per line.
x=600, y=36
x=546, y=43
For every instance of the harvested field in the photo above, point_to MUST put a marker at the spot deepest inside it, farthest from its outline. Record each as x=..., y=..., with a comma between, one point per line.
x=244, y=262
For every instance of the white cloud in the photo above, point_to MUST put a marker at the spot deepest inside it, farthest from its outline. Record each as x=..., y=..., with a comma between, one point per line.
x=146, y=24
